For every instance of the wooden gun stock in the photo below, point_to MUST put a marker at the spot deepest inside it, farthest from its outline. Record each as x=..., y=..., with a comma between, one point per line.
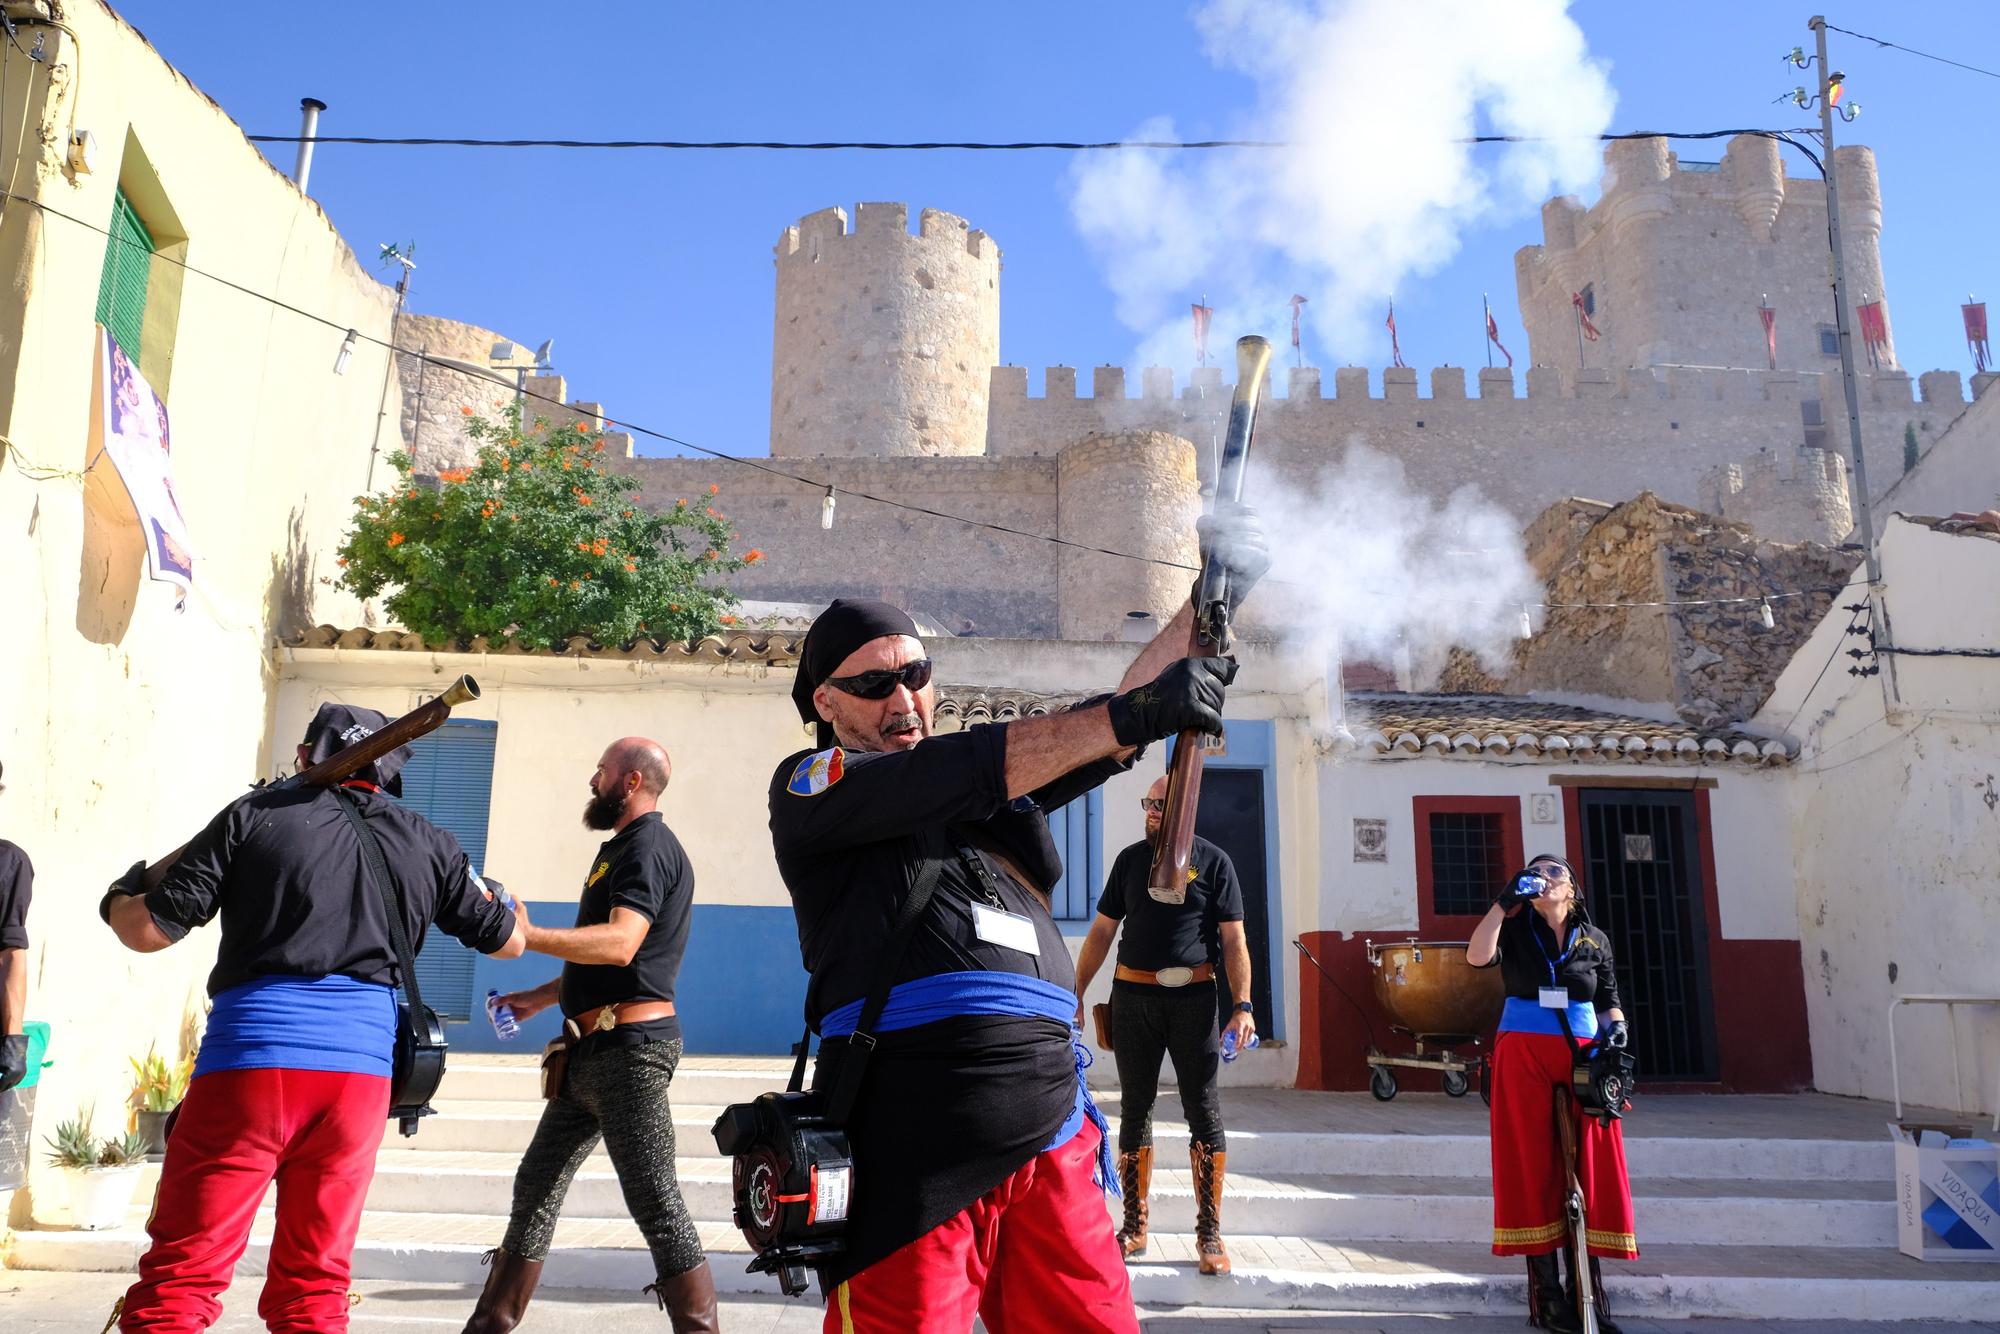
x=1173, y=853
x=339, y=765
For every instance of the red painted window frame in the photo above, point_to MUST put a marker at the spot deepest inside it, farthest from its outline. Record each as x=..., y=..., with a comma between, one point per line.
x=1432, y=924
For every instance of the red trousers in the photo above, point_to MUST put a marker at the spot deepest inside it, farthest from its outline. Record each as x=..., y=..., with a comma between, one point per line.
x=317, y=1134
x=1529, y=1180
x=1036, y=1253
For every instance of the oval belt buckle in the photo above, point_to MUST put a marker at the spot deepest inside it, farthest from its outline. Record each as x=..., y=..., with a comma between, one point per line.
x=607, y=1019
x=1174, y=977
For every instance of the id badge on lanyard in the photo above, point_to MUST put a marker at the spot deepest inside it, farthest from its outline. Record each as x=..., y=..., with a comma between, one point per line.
x=1555, y=996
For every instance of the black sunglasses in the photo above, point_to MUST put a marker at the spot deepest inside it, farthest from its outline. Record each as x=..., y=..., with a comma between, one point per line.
x=1153, y=803
x=879, y=684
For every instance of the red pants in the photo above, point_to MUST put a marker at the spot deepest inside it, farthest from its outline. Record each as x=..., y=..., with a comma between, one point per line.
x=1528, y=1175
x=317, y=1133
x=1037, y=1253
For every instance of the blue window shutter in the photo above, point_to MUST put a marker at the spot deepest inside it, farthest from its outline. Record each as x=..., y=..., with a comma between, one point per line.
x=449, y=781
x=1078, y=830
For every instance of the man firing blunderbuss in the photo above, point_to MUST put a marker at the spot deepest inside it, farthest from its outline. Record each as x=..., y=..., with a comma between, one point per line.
x=321, y=883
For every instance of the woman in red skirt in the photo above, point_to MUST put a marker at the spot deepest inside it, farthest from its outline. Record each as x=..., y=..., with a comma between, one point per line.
x=1554, y=964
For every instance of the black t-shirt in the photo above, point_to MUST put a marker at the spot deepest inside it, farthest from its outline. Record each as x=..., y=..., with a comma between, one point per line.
x=642, y=867
x=285, y=870
x=1171, y=935
x=948, y=1109
x=1529, y=955
x=17, y=885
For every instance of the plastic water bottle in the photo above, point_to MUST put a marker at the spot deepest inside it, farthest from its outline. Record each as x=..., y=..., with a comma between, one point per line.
x=502, y=1017
x=1229, y=1052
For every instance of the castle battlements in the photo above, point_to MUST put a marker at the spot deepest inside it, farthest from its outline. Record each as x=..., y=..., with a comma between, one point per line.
x=1807, y=501
x=815, y=233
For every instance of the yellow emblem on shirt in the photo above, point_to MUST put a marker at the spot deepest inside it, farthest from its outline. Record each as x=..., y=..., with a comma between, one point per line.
x=597, y=874
x=1193, y=875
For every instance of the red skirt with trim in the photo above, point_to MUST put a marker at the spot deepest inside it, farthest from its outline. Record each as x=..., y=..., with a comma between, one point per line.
x=1528, y=1175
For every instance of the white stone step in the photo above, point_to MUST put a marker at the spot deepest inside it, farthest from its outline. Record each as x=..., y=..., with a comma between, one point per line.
x=1285, y=1273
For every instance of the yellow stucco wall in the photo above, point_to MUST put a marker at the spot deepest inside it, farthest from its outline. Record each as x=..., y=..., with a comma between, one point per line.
x=124, y=725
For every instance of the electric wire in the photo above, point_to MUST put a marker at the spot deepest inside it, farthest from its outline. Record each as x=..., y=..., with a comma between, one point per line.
x=1911, y=50
x=494, y=378
x=1853, y=620
x=929, y=146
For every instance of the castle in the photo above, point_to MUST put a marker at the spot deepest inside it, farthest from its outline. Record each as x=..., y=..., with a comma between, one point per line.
x=884, y=384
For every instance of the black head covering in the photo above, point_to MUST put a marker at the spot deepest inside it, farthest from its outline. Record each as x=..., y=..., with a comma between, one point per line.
x=1577, y=905
x=836, y=632
x=337, y=726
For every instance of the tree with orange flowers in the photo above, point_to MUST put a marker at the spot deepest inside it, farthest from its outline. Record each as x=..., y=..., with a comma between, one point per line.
x=538, y=539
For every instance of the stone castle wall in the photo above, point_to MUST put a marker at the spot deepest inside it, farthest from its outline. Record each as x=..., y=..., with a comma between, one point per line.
x=1677, y=257
x=1808, y=502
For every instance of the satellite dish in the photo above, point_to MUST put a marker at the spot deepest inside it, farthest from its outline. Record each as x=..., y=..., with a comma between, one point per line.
x=542, y=354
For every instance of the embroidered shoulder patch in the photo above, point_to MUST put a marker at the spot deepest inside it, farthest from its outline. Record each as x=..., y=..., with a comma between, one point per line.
x=816, y=773
x=597, y=874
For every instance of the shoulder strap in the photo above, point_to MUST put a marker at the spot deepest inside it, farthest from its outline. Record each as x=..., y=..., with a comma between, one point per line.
x=377, y=869
x=861, y=1042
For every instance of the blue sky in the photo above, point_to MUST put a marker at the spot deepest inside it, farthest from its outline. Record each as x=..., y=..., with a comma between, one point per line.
x=652, y=271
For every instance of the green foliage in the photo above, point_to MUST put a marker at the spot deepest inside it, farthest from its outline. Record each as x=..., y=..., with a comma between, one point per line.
x=1909, y=445
x=74, y=1146
x=539, y=539
x=158, y=1086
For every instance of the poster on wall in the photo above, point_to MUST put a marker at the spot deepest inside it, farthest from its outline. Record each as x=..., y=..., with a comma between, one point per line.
x=133, y=432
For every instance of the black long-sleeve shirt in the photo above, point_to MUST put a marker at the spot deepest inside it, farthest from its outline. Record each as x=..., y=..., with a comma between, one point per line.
x=1530, y=958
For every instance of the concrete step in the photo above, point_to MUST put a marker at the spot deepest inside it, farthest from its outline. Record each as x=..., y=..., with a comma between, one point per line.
x=1271, y=1272
x=488, y=1080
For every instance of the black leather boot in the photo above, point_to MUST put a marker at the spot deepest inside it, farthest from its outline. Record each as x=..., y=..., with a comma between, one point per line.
x=1548, y=1306
x=1605, y=1324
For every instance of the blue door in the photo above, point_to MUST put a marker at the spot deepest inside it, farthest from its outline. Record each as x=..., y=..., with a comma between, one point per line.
x=449, y=781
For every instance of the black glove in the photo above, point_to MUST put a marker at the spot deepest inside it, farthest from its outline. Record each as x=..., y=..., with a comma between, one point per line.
x=1234, y=535
x=132, y=882
x=1521, y=887
x=13, y=1060
x=1616, y=1036
x=1188, y=694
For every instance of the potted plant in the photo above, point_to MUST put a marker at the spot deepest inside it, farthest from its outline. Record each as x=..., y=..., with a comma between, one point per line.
x=101, y=1175
x=157, y=1088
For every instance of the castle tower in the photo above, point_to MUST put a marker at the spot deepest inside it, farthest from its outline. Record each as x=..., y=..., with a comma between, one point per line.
x=1133, y=492
x=885, y=342
x=1676, y=256
x=1811, y=503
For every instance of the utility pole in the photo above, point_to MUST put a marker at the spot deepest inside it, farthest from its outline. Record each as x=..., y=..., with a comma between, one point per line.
x=403, y=257
x=1844, y=325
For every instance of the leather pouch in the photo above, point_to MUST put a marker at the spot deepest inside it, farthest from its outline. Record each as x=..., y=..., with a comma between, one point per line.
x=555, y=1066
x=1102, y=1014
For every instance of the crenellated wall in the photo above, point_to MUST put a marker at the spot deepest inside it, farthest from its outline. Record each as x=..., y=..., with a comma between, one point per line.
x=1806, y=501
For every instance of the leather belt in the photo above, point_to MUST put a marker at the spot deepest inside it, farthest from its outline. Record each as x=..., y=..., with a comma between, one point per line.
x=607, y=1017
x=1167, y=977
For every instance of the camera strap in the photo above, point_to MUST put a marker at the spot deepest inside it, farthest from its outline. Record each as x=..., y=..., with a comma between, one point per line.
x=861, y=1042
x=377, y=869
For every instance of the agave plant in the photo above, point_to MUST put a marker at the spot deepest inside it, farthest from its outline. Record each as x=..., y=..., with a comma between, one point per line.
x=156, y=1085
x=73, y=1145
x=128, y=1149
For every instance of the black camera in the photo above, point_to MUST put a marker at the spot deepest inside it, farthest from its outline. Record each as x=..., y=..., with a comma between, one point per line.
x=1604, y=1079
x=792, y=1182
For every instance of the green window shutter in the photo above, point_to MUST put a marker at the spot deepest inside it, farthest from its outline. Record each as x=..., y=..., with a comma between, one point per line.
x=128, y=263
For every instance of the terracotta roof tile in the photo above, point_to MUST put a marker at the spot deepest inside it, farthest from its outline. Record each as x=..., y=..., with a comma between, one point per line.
x=1475, y=726
x=768, y=646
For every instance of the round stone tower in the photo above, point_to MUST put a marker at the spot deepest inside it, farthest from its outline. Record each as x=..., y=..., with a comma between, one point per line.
x=885, y=342
x=1133, y=492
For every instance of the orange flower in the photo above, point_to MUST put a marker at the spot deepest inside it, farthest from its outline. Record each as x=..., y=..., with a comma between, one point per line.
x=574, y=584
x=600, y=447
x=553, y=583
x=341, y=561
x=681, y=504
x=506, y=464
x=395, y=539
x=465, y=408
x=708, y=554
x=581, y=498
x=626, y=515
x=586, y=574
x=515, y=517
x=583, y=426
x=631, y=566
x=452, y=476
x=409, y=495
x=752, y=556
x=710, y=511
x=713, y=488
x=566, y=465
x=583, y=546
x=437, y=514
x=673, y=606
x=728, y=620
x=526, y=466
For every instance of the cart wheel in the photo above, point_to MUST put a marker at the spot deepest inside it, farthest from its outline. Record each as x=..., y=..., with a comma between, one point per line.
x=1382, y=1084
x=1455, y=1084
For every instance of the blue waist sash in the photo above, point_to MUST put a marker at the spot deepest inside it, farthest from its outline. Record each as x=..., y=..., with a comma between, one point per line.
x=330, y=1023
x=926, y=1000
x=1526, y=1016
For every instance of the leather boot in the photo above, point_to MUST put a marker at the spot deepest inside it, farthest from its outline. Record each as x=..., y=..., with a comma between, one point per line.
x=1605, y=1324
x=510, y=1282
x=1135, y=1179
x=1549, y=1307
x=689, y=1300
x=1208, y=1165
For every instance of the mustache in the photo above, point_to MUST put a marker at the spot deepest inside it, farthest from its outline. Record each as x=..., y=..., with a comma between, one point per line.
x=901, y=723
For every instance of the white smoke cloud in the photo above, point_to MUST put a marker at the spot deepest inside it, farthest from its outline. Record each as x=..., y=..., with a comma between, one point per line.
x=1373, y=92
x=1365, y=561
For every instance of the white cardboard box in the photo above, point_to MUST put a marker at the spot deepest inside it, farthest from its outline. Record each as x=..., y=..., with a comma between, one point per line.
x=1947, y=1194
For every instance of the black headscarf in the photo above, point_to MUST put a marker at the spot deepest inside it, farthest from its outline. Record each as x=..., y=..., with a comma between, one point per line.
x=836, y=632
x=337, y=726
x=1577, y=905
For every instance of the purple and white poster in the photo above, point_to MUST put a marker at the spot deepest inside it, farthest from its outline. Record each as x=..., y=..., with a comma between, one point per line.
x=136, y=436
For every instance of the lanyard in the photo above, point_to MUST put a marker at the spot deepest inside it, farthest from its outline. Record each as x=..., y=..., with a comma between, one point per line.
x=1560, y=958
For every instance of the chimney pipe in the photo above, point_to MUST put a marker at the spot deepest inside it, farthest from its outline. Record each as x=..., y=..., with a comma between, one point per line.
x=309, y=109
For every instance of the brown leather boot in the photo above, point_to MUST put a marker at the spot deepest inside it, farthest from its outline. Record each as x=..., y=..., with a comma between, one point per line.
x=1208, y=1167
x=689, y=1300
x=510, y=1282
x=1135, y=1179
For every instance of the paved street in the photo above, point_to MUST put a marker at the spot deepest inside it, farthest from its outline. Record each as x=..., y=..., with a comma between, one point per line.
x=52, y=1303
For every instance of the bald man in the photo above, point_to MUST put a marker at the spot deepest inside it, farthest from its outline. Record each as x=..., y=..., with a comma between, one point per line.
x=621, y=1043
x=1163, y=1003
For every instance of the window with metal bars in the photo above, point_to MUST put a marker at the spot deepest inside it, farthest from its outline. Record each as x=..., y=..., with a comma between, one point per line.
x=128, y=266
x=1468, y=861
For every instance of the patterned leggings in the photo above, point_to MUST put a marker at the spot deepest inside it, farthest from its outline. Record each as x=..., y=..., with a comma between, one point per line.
x=619, y=1095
